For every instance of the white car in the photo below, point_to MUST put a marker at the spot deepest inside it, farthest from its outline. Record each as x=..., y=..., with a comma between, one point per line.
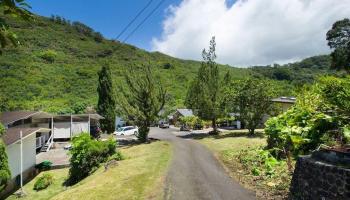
x=127, y=130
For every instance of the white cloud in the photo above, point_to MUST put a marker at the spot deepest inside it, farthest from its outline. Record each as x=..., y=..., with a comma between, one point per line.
x=250, y=32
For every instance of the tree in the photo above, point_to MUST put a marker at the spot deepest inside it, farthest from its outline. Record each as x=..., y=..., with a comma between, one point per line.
x=15, y=8
x=5, y=173
x=339, y=40
x=203, y=95
x=143, y=99
x=251, y=98
x=106, y=100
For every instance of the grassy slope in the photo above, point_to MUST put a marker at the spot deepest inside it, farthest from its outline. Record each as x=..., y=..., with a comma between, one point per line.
x=140, y=176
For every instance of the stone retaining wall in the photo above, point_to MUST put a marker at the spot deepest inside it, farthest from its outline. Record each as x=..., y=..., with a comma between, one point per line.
x=313, y=179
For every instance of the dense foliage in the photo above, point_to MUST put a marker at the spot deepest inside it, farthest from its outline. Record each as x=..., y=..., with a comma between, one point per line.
x=191, y=121
x=5, y=173
x=142, y=99
x=106, y=105
x=320, y=116
x=339, y=40
x=43, y=182
x=251, y=98
x=87, y=154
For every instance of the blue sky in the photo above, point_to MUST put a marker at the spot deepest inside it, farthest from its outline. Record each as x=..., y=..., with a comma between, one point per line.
x=109, y=16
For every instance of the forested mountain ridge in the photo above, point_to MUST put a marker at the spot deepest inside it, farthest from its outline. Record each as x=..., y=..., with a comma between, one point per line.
x=55, y=68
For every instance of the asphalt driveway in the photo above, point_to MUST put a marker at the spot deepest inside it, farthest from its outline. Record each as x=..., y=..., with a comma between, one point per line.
x=195, y=173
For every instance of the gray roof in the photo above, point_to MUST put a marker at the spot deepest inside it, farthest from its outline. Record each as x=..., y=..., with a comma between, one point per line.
x=13, y=116
x=12, y=135
x=290, y=100
x=185, y=112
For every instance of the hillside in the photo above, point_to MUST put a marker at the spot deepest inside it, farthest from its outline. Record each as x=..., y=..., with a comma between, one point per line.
x=55, y=68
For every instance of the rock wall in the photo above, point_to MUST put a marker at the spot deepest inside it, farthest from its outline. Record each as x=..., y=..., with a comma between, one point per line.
x=314, y=179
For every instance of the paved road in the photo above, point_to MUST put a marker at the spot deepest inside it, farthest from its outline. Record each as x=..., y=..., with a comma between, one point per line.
x=195, y=173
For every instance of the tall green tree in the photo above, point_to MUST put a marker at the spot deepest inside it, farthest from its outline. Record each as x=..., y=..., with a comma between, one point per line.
x=251, y=98
x=14, y=8
x=5, y=173
x=339, y=40
x=204, y=94
x=106, y=105
x=142, y=99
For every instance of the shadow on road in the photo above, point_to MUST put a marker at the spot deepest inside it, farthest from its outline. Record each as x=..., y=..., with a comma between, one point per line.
x=199, y=136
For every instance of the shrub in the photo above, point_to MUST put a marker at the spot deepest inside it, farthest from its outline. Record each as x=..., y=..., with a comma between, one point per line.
x=45, y=165
x=117, y=156
x=98, y=37
x=320, y=116
x=48, y=55
x=86, y=156
x=5, y=173
x=43, y=182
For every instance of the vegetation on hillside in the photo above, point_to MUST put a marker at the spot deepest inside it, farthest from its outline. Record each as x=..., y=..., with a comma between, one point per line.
x=55, y=68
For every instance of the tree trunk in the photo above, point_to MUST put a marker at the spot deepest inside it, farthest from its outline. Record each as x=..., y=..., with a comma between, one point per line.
x=251, y=131
x=215, y=130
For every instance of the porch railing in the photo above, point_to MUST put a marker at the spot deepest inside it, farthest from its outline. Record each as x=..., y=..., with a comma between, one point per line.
x=40, y=141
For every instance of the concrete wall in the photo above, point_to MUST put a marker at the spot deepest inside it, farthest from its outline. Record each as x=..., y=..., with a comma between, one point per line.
x=29, y=155
x=314, y=179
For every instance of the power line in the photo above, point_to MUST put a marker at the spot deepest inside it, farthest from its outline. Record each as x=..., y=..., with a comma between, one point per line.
x=144, y=20
x=133, y=20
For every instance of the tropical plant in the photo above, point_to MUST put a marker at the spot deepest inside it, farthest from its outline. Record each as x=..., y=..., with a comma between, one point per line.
x=320, y=116
x=142, y=99
x=106, y=105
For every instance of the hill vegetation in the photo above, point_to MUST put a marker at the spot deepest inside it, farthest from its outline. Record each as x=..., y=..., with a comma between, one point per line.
x=55, y=68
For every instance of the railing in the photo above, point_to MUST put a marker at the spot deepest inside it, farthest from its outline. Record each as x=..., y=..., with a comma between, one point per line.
x=40, y=141
x=49, y=142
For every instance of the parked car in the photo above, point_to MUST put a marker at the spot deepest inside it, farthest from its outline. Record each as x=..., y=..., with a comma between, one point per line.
x=184, y=128
x=127, y=130
x=164, y=125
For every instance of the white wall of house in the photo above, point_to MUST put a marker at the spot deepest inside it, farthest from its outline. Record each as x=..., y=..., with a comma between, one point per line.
x=14, y=155
x=80, y=127
x=62, y=129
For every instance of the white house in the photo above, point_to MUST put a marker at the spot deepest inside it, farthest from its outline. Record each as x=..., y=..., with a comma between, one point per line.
x=15, y=123
x=68, y=126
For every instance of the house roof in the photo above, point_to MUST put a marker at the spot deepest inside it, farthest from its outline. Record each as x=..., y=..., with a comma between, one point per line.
x=12, y=135
x=185, y=112
x=290, y=100
x=76, y=116
x=10, y=117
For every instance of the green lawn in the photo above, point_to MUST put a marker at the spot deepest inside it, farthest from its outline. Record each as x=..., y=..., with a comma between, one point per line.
x=140, y=176
x=239, y=154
